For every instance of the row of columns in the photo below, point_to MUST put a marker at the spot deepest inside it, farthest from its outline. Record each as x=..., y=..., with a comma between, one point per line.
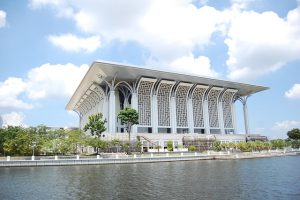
x=154, y=121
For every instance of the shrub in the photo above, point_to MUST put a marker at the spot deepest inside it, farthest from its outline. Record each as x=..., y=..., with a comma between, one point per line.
x=217, y=146
x=170, y=146
x=192, y=148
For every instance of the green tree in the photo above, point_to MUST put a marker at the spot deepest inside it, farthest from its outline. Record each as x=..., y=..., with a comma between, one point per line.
x=128, y=117
x=96, y=125
x=294, y=134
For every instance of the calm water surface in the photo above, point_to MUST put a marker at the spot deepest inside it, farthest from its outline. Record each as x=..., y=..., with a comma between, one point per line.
x=268, y=178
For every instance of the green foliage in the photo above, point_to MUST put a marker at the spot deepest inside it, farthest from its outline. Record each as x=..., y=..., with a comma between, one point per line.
x=192, y=148
x=96, y=125
x=295, y=144
x=128, y=117
x=217, y=145
x=245, y=146
x=170, y=146
x=18, y=141
x=279, y=144
x=294, y=134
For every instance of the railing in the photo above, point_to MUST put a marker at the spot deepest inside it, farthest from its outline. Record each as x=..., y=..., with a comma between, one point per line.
x=143, y=158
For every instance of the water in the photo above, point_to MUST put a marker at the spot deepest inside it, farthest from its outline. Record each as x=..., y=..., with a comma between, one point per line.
x=268, y=178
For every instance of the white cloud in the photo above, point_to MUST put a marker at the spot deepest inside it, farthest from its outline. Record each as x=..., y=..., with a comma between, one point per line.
x=168, y=29
x=10, y=90
x=294, y=92
x=190, y=64
x=2, y=18
x=286, y=126
x=14, y=119
x=260, y=43
x=54, y=80
x=279, y=129
x=60, y=6
x=72, y=43
x=41, y=82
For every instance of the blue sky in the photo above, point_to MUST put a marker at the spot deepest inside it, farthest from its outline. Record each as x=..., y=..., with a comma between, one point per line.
x=46, y=46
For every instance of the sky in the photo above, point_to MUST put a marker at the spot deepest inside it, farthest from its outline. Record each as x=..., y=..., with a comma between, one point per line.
x=46, y=47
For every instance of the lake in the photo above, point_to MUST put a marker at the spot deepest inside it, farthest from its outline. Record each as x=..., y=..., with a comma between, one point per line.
x=265, y=178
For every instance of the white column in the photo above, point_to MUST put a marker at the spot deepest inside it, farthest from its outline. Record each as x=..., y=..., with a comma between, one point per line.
x=221, y=119
x=112, y=112
x=126, y=104
x=134, y=105
x=154, y=114
x=246, y=120
x=190, y=115
x=206, y=116
x=105, y=112
x=173, y=115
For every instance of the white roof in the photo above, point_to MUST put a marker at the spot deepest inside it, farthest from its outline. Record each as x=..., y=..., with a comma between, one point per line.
x=109, y=70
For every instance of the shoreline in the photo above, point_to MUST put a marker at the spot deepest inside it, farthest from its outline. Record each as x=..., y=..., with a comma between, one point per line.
x=151, y=159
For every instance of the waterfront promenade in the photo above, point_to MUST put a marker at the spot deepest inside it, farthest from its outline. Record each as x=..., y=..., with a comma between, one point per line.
x=144, y=158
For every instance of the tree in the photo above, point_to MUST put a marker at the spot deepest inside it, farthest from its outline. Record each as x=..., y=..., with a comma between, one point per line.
x=294, y=134
x=128, y=117
x=96, y=125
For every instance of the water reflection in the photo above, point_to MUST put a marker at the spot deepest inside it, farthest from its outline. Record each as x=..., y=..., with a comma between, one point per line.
x=270, y=178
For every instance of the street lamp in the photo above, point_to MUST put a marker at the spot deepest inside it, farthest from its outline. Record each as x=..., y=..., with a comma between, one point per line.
x=33, y=146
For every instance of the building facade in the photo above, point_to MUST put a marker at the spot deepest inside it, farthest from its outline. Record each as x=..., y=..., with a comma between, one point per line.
x=170, y=105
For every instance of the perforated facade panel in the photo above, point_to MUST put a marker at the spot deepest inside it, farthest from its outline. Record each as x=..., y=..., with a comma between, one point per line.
x=198, y=114
x=227, y=108
x=163, y=104
x=144, y=102
x=213, y=107
x=181, y=105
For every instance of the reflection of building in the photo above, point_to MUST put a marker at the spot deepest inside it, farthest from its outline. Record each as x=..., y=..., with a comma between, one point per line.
x=170, y=105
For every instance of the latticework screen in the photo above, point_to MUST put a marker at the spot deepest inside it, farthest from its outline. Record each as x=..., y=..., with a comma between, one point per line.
x=227, y=108
x=144, y=102
x=198, y=95
x=163, y=104
x=213, y=108
x=181, y=105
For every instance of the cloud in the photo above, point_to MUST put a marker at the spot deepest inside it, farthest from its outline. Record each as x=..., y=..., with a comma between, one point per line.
x=261, y=43
x=168, y=29
x=14, y=119
x=190, y=64
x=10, y=90
x=258, y=43
x=60, y=6
x=2, y=18
x=54, y=80
x=286, y=126
x=45, y=81
x=72, y=43
x=294, y=92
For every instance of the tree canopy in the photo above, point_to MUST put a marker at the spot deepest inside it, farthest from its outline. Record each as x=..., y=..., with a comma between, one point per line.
x=129, y=117
x=294, y=134
x=96, y=125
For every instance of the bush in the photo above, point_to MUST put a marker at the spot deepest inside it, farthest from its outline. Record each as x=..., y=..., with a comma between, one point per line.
x=170, y=146
x=192, y=148
x=217, y=146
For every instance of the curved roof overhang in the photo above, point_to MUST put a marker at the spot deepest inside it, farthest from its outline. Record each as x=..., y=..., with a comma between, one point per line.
x=103, y=70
